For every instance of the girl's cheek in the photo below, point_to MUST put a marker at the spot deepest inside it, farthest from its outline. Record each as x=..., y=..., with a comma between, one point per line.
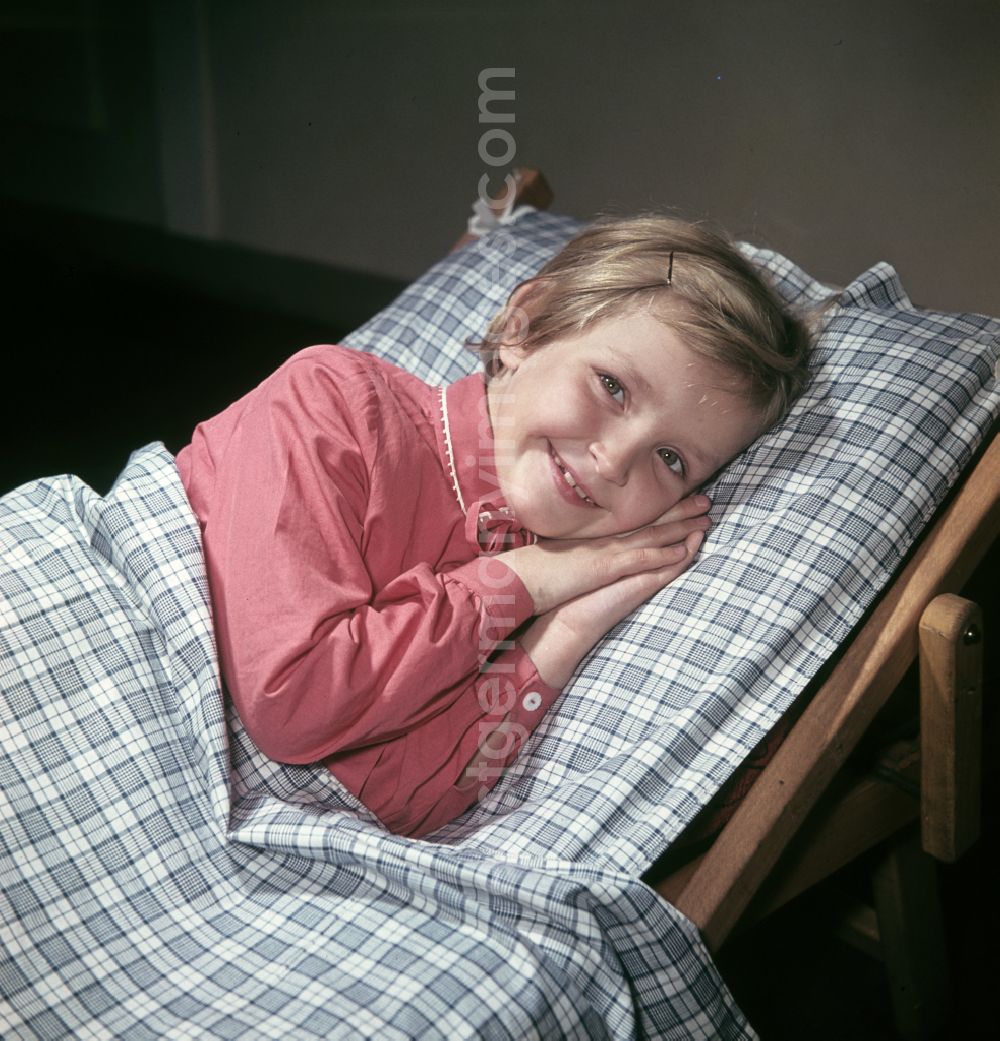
x=661, y=500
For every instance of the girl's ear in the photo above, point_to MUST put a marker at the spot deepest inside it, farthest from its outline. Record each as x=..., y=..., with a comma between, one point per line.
x=517, y=319
x=521, y=294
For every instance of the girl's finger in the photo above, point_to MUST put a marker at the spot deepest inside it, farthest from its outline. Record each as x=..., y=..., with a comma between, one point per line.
x=689, y=506
x=693, y=542
x=673, y=531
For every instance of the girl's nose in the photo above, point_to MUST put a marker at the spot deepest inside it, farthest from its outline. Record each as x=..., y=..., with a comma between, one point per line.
x=612, y=461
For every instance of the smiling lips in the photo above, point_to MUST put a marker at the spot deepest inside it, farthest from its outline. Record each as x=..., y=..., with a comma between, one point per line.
x=569, y=483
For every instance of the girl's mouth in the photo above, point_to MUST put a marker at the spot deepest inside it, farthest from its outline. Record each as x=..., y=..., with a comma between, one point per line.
x=569, y=487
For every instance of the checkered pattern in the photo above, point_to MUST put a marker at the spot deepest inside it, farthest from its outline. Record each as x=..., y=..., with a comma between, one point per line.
x=810, y=523
x=160, y=878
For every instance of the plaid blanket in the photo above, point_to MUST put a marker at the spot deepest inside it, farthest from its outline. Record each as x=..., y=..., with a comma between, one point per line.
x=161, y=878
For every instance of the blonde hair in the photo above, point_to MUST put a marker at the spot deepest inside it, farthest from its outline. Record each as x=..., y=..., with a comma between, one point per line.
x=694, y=279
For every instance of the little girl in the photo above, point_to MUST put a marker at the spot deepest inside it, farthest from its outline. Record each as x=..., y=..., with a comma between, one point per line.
x=404, y=577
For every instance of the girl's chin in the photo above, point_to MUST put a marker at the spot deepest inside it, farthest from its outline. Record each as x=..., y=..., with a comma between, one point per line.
x=557, y=519
x=551, y=528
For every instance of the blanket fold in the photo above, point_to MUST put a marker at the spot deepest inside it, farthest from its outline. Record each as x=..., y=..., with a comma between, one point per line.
x=161, y=878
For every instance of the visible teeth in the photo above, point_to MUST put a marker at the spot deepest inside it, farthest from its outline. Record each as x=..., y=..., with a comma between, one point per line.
x=570, y=480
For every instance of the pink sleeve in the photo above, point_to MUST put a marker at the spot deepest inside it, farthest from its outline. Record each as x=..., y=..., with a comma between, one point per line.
x=316, y=662
x=417, y=783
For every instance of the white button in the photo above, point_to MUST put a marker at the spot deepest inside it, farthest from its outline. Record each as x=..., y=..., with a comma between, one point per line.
x=532, y=700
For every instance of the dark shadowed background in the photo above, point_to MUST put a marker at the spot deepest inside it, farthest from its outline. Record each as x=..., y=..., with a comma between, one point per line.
x=177, y=173
x=192, y=190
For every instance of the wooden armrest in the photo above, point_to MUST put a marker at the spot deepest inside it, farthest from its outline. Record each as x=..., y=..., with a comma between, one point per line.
x=859, y=810
x=951, y=720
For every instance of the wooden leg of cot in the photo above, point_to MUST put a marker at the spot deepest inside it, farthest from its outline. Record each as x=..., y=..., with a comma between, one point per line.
x=911, y=937
x=907, y=929
x=907, y=904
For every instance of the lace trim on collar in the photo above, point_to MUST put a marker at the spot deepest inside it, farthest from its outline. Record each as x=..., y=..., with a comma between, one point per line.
x=450, y=451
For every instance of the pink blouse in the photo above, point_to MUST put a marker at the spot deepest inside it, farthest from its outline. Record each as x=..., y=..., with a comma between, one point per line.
x=347, y=511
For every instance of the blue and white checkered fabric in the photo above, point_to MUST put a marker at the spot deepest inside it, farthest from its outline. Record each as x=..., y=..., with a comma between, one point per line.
x=161, y=878
x=148, y=893
x=810, y=523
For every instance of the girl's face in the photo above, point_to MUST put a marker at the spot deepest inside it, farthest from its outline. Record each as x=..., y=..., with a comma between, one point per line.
x=603, y=431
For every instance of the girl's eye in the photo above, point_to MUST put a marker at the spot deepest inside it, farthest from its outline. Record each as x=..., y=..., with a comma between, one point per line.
x=612, y=386
x=673, y=460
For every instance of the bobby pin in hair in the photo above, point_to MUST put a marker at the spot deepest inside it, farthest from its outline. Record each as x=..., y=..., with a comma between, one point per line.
x=670, y=269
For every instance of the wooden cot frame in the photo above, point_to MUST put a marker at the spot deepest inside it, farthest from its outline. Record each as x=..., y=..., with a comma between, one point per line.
x=796, y=826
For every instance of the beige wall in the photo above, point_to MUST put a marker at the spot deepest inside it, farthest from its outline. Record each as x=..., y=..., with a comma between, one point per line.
x=839, y=132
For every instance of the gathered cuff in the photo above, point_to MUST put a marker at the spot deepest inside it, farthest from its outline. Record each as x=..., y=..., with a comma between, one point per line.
x=502, y=598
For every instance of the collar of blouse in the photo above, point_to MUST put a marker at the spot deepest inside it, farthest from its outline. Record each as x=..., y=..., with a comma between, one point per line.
x=469, y=452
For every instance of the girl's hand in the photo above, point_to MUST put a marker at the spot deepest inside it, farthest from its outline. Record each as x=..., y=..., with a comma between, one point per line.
x=557, y=640
x=555, y=571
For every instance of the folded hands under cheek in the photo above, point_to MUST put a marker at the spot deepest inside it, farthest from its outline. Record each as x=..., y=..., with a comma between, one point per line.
x=583, y=587
x=555, y=571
